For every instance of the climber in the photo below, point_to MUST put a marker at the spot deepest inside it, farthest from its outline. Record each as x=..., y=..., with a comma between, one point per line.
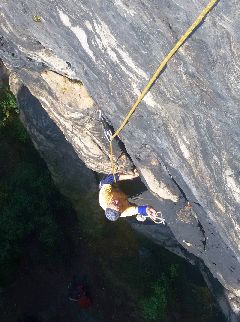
x=115, y=202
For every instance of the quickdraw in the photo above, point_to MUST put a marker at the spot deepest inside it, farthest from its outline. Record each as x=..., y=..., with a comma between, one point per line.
x=158, y=220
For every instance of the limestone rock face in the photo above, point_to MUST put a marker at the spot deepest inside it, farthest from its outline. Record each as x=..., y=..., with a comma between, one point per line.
x=76, y=57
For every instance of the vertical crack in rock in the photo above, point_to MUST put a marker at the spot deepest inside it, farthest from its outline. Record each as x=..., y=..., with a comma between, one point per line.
x=204, y=236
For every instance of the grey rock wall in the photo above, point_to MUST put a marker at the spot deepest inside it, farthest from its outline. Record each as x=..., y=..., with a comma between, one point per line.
x=184, y=136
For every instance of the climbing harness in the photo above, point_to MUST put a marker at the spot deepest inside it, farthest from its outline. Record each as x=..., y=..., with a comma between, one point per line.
x=180, y=42
x=158, y=220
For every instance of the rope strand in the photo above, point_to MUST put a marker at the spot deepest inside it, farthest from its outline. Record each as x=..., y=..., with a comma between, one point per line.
x=180, y=42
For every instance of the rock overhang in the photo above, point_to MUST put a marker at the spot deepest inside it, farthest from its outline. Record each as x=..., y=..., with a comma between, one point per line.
x=188, y=123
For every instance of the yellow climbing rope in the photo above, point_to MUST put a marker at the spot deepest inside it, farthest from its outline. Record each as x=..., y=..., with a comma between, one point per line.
x=189, y=31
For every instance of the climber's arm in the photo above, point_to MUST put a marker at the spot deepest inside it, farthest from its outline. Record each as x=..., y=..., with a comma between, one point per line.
x=141, y=210
x=130, y=211
x=109, y=179
x=129, y=176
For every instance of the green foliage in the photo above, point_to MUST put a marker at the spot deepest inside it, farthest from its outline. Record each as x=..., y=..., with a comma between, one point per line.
x=155, y=306
x=29, y=202
x=17, y=132
x=27, y=209
x=10, y=124
x=7, y=105
x=173, y=271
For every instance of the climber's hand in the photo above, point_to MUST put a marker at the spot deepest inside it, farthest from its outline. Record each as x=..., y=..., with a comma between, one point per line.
x=135, y=173
x=129, y=176
x=152, y=213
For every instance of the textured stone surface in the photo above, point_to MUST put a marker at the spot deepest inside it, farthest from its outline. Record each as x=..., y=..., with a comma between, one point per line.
x=68, y=171
x=75, y=114
x=184, y=137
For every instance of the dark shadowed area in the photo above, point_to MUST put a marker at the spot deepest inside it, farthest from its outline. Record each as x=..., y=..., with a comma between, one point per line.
x=45, y=244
